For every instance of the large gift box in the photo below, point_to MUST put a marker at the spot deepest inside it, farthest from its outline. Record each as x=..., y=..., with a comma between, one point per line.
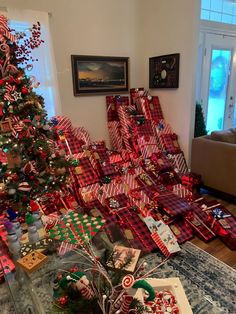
x=169, y=143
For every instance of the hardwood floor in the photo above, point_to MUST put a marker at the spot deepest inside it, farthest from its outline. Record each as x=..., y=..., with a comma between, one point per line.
x=216, y=247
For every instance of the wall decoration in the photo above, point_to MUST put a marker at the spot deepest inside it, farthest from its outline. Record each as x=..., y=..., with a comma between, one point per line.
x=99, y=75
x=164, y=71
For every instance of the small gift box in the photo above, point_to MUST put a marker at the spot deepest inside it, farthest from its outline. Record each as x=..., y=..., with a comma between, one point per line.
x=136, y=94
x=163, y=236
x=148, y=146
x=112, y=114
x=143, y=127
x=173, y=204
x=85, y=173
x=161, y=162
x=191, y=179
x=144, y=179
x=163, y=128
x=118, y=202
x=169, y=143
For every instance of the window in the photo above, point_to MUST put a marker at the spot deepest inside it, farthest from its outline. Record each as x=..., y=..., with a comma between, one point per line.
x=222, y=11
x=44, y=69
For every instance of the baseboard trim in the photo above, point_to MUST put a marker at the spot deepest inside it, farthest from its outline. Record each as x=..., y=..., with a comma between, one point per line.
x=203, y=189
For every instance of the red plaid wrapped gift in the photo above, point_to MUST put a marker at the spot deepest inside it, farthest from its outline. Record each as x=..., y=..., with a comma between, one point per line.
x=118, y=202
x=196, y=219
x=179, y=162
x=181, y=230
x=148, y=145
x=50, y=203
x=141, y=200
x=143, y=127
x=115, y=135
x=112, y=114
x=169, y=178
x=142, y=237
x=163, y=128
x=172, y=204
x=96, y=209
x=169, y=143
x=121, y=100
x=151, y=108
x=85, y=173
x=161, y=162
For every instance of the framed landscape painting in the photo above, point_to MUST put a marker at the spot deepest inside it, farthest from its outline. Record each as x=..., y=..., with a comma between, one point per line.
x=99, y=75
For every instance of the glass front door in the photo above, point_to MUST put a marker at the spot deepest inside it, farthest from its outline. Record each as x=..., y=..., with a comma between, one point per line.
x=219, y=82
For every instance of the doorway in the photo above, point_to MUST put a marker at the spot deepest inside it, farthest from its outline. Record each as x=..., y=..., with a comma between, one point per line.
x=218, y=80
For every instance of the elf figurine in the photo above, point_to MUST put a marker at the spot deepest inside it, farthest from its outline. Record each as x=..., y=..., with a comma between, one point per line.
x=78, y=281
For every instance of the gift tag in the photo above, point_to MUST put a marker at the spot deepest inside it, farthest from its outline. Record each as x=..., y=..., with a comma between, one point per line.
x=224, y=224
x=78, y=170
x=95, y=212
x=195, y=222
x=175, y=230
x=128, y=234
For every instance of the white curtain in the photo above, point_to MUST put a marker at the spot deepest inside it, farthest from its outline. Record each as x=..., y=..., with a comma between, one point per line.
x=44, y=70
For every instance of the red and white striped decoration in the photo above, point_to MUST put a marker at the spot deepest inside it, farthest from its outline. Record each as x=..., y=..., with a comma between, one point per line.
x=4, y=30
x=124, y=118
x=129, y=179
x=65, y=247
x=115, y=135
x=127, y=300
x=148, y=146
x=156, y=238
x=115, y=158
x=64, y=123
x=179, y=162
x=108, y=190
x=82, y=133
x=8, y=93
x=163, y=128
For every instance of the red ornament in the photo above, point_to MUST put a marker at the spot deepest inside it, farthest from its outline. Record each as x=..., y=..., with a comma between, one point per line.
x=63, y=300
x=24, y=91
x=17, y=81
x=1, y=62
x=2, y=82
x=11, y=80
x=34, y=206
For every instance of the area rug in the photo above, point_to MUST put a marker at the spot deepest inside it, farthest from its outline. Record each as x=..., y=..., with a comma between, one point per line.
x=209, y=284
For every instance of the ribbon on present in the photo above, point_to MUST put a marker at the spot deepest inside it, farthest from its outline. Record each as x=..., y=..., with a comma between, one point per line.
x=189, y=216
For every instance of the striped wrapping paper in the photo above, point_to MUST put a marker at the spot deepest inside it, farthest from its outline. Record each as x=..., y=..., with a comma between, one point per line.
x=163, y=128
x=107, y=190
x=181, y=191
x=64, y=123
x=148, y=146
x=179, y=162
x=135, y=94
x=82, y=133
x=88, y=193
x=129, y=179
x=156, y=238
x=111, y=108
x=125, y=120
x=115, y=135
x=115, y=158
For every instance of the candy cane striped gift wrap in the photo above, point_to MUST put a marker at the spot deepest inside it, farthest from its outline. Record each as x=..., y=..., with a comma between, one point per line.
x=129, y=180
x=115, y=158
x=66, y=247
x=64, y=123
x=82, y=134
x=179, y=162
x=115, y=135
x=181, y=191
x=112, y=114
x=148, y=146
x=105, y=191
x=163, y=128
x=156, y=238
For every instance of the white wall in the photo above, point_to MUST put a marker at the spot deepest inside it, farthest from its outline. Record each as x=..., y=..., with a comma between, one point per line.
x=171, y=26
x=134, y=28
x=91, y=27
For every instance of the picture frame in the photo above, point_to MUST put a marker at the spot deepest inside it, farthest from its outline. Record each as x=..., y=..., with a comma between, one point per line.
x=164, y=71
x=99, y=74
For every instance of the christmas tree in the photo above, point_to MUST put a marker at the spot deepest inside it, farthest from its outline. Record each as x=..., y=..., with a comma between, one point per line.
x=30, y=163
x=200, y=126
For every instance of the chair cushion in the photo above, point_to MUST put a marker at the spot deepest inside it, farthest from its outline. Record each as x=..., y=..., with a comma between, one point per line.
x=228, y=136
